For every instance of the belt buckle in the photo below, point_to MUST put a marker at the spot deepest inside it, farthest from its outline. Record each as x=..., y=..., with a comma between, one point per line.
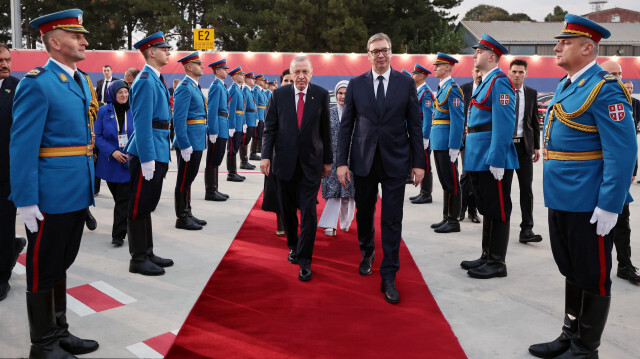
x=545, y=156
x=89, y=150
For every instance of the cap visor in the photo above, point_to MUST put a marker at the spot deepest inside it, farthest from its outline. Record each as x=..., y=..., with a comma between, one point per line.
x=75, y=29
x=566, y=35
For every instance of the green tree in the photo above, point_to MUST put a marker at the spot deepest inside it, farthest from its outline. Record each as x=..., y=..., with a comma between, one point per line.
x=493, y=13
x=557, y=15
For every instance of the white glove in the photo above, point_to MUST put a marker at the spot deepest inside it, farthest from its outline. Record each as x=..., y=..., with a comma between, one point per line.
x=497, y=173
x=453, y=154
x=147, y=169
x=30, y=216
x=186, y=153
x=425, y=143
x=213, y=138
x=244, y=128
x=606, y=221
x=231, y=132
x=257, y=121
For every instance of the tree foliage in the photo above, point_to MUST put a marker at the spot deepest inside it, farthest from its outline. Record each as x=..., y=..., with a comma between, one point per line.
x=493, y=13
x=557, y=15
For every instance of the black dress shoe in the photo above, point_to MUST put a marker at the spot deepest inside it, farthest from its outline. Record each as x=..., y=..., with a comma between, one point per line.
x=223, y=194
x=527, y=235
x=201, y=222
x=366, y=265
x=491, y=269
x=247, y=166
x=145, y=267
x=629, y=273
x=414, y=197
x=422, y=199
x=234, y=177
x=305, y=274
x=448, y=228
x=436, y=225
x=161, y=262
x=90, y=221
x=215, y=196
x=254, y=157
x=117, y=241
x=474, y=217
x=391, y=295
x=473, y=264
x=551, y=349
x=77, y=346
x=188, y=224
x=292, y=258
x=4, y=290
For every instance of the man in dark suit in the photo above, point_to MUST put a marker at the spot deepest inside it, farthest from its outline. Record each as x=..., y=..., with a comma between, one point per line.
x=297, y=138
x=526, y=137
x=103, y=84
x=381, y=135
x=10, y=246
x=468, y=202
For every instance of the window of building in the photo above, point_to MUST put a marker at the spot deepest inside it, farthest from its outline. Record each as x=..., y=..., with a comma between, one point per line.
x=615, y=18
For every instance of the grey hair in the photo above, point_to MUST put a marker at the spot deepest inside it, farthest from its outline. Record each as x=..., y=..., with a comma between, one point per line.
x=596, y=46
x=301, y=58
x=378, y=36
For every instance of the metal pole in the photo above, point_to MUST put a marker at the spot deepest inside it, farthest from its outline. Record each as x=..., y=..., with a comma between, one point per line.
x=16, y=24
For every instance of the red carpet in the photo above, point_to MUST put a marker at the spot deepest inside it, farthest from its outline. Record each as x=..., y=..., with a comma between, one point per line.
x=254, y=306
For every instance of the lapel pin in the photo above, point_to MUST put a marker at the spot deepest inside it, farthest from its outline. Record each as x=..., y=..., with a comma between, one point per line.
x=8, y=90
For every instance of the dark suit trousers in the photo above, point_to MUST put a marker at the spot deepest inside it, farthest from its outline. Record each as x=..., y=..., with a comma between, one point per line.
x=366, y=197
x=187, y=171
x=622, y=238
x=120, y=193
x=447, y=172
x=215, y=152
x=52, y=250
x=299, y=192
x=525, y=180
x=493, y=198
x=144, y=195
x=7, y=231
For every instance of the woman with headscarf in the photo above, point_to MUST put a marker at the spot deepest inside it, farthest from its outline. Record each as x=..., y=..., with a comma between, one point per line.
x=339, y=201
x=113, y=129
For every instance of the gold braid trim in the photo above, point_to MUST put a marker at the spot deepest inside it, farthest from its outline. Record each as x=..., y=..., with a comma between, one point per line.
x=438, y=104
x=578, y=33
x=93, y=109
x=566, y=118
x=69, y=26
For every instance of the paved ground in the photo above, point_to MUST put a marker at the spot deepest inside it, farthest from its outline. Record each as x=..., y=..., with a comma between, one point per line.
x=496, y=318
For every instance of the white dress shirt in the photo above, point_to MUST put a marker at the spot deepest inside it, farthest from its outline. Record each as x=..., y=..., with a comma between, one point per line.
x=520, y=114
x=304, y=98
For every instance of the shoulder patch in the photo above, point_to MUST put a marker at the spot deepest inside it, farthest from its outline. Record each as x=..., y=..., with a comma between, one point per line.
x=144, y=75
x=36, y=72
x=185, y=82
x=607, y=76
x=63, y=77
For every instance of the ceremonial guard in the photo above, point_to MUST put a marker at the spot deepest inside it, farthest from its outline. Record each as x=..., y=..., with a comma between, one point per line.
x=405, y=72
x=149, y=153
x=190, y=127
x=251, y=119
x=446, y=140
x=588, y=136
x=51, y=169
x=217, y=129
x=490, y=157
x=237, y=125
x=259, y=93
x=425, y=102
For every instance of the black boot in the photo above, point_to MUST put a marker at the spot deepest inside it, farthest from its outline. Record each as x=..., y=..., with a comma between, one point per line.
x=43, y=328
x=201, y=222
x=244, y=160
x=90, y=221
x=159, y=261
x=486, y=232
x=426, y=186
x=445, y=210
x=498, y=242
x=183, y=221
x=233, y=171
x=572, y=306
x=254, y=149
x=452, y=224
x=140, y=263
x=217, y=185
x=68, y=341
x=211, y=185
x=593, y=317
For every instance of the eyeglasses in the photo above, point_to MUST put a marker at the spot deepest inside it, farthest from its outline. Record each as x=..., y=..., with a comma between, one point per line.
x=377, y=52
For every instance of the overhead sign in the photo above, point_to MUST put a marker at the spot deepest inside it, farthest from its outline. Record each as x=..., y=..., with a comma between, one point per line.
x=203, y=39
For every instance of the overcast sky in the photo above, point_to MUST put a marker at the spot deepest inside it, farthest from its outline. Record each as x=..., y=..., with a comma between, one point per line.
x=538, y=9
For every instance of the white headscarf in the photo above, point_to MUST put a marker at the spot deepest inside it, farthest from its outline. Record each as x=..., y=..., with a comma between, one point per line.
x=339, y=85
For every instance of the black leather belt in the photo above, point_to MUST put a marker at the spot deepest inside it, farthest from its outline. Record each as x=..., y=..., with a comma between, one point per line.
x=250, y=111
x=161, y=125
x=223, y=114
x=480, y=128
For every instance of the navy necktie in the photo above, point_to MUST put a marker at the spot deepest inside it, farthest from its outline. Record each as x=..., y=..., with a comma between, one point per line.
x=76, y=77
x=380, y=94
x=566, y=84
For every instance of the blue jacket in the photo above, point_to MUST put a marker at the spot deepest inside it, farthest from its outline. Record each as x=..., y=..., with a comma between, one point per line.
x=149, y=100
x=493, y=103
x=580, y=186
x=250, y=110
x=425, y=103
x=261, y=102
x=217, y=103
x=449, y=106
x=236, y=108
x=50, y=110
x=189, y=104
x=106, y=129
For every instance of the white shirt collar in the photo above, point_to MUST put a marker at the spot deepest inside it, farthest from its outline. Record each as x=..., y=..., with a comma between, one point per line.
x=194, y=80
x=489, y=73
x=303, y=91
x=444, y=81
x=1, y=81
x=66, y=68
x=385, y=75
x=421, y=86
x=155, y=71
x=577, y=75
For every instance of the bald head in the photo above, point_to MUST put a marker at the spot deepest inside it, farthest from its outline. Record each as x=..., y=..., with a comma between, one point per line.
x=612, y=68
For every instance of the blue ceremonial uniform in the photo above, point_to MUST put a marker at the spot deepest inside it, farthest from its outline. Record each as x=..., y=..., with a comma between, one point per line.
x=217, y=103
x=189, y=104
x=449, y=106
x=250, y=112
x=51, y=110
x=261, y=102
x=425, y=103
x=236, y=108
x=149, y=105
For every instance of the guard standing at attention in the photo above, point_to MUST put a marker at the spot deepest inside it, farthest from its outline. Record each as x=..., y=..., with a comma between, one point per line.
x=149, y=153
x=425, y=103
x=251, y=119
x=490, y=157
x=259, y=93
x=588, y=136
x=217, y=129
x=237, y=125
x=446, y=140
x=190, y=127
x=52, y=173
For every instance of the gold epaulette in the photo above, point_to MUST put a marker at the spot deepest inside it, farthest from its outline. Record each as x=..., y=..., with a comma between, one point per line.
x=438, y=104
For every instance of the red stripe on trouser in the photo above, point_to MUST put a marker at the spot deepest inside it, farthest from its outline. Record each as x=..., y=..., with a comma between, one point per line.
x=137, y=199
x=455, y=180
x=36, y=252
x=603, y=265
x=230, y=145
x=184, y=176
x=426, y=156
x=244, y=137
x=501, y=201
